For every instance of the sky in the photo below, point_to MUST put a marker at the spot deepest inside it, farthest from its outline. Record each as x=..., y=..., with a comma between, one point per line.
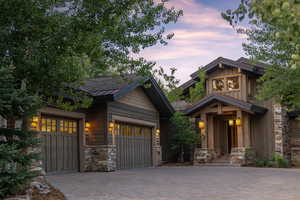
x=201, y=35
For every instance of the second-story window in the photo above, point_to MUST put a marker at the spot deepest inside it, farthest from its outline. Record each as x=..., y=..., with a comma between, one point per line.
x=233, y=83
x=230, y=83
x=218, y=84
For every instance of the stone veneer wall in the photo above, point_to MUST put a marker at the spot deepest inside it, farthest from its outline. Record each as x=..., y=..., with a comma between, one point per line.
x=203, y=155
x=100, y=158
x=242, y=156
x=280, y=125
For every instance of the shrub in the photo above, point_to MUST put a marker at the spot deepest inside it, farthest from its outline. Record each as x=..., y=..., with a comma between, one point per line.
x=16, y=160
x=280, y=161
x=260, y=163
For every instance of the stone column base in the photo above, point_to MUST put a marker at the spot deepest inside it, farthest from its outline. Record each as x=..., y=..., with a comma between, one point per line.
x=202, y=156
x=242, y=156
x=295, y=156
x=100, y=158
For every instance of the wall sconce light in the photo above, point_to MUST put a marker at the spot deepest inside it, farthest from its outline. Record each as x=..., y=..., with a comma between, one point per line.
x=238, y=121
x=201, y=125
x=87, y=127
x=157, y=132
x=231, y=122
x=34, y=122
x=111, y=126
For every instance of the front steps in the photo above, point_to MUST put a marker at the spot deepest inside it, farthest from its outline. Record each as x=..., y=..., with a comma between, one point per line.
x=223, y=161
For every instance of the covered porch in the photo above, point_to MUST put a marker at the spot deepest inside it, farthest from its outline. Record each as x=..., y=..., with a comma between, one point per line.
x=224, y=125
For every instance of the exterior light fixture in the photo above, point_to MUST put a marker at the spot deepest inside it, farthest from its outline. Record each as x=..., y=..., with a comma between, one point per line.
x=34, y=122
x=157, y=132
x=231, y=122
x=87, y=127
x=238, y=121
x=201, y=125
x=111, y=126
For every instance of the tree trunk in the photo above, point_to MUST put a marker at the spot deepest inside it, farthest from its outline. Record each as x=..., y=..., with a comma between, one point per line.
x=181, y=156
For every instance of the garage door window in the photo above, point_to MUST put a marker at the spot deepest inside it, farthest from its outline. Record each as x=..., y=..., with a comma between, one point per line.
x=67, y=126
x=49, y=125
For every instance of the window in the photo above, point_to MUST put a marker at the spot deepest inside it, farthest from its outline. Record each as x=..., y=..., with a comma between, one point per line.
x=67, y=126
x=233, y=83
x=48, y=125
x=226, y=84
x=218, y=84
x=63, y=126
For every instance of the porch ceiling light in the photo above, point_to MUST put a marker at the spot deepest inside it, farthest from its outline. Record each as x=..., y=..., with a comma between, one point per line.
x=231, y=122
x=201, y=124
x=157, y=132
x=238, y=122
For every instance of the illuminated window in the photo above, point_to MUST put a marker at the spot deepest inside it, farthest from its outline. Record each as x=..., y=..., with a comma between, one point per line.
x=48, y=125
x=218, y=84
x=233, y=83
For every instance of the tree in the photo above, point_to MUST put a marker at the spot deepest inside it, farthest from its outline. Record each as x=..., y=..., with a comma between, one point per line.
x=273, y=37
x=198, y=92
x=184, y=135
x=54, y=44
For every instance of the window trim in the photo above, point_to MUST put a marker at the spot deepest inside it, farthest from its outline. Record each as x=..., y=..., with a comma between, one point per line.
x=225, y=89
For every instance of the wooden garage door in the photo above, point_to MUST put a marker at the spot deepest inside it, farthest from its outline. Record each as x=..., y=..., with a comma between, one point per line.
x=60, y=144
x=133, y=144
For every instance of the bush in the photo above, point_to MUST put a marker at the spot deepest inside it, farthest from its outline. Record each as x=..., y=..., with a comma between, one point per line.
x=280, y=162
x=16, y=161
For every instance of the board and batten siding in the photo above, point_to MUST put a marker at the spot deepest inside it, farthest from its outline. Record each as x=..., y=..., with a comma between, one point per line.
x=96, y=116
x=138, y=98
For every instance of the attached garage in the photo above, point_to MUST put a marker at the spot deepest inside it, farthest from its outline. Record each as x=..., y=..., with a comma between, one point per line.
x=60, y=141
x=133, y=145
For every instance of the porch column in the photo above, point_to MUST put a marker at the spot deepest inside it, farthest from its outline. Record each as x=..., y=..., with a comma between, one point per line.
x=210, y=132
x=246, y=125
x=240, y=129
x=204, y=131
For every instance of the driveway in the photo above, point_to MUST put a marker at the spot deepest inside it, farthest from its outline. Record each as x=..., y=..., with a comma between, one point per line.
x=182, y=183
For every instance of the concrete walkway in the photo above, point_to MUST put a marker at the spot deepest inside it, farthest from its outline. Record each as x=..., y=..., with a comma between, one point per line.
x=182, y=183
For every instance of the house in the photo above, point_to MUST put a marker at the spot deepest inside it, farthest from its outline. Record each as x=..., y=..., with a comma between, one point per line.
x=121, y=129
x=233, y=124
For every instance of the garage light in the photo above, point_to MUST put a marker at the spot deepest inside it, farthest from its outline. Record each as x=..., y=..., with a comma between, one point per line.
x=34, y=122
x=87, y=127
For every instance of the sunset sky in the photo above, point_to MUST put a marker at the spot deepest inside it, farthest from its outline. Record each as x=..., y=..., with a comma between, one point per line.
x=201, y=35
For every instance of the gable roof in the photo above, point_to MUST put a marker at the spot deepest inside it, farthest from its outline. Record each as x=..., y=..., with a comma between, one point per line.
x=242, y=63
x=111, y=88
x=248, y=107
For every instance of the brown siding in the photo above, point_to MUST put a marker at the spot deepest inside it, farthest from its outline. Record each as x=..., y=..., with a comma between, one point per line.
x=96, y=116
x=139, y=99
x=261, y=128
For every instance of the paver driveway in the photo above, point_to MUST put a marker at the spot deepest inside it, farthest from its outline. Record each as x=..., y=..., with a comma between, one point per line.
x=182, y=183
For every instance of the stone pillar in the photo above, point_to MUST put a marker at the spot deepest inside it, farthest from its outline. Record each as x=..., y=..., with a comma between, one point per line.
x=101, y=158
x=203, y=155
x=280, y=129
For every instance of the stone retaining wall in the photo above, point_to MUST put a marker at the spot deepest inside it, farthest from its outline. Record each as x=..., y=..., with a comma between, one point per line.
x=100, y=158
x=242, y=156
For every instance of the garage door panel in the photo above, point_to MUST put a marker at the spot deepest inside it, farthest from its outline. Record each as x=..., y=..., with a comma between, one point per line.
x=60, y=144
x=133, y=149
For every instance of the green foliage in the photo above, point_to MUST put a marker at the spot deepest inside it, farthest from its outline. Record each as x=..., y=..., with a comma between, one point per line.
x=52, y=44
x=169, y=84
x=280, y=162
x=184, y=135
x=277, y=161
x=15, y=162
x=198, y=92
x=273, y=37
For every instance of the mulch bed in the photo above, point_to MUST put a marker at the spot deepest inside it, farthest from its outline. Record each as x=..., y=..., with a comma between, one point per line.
x=54, y=194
